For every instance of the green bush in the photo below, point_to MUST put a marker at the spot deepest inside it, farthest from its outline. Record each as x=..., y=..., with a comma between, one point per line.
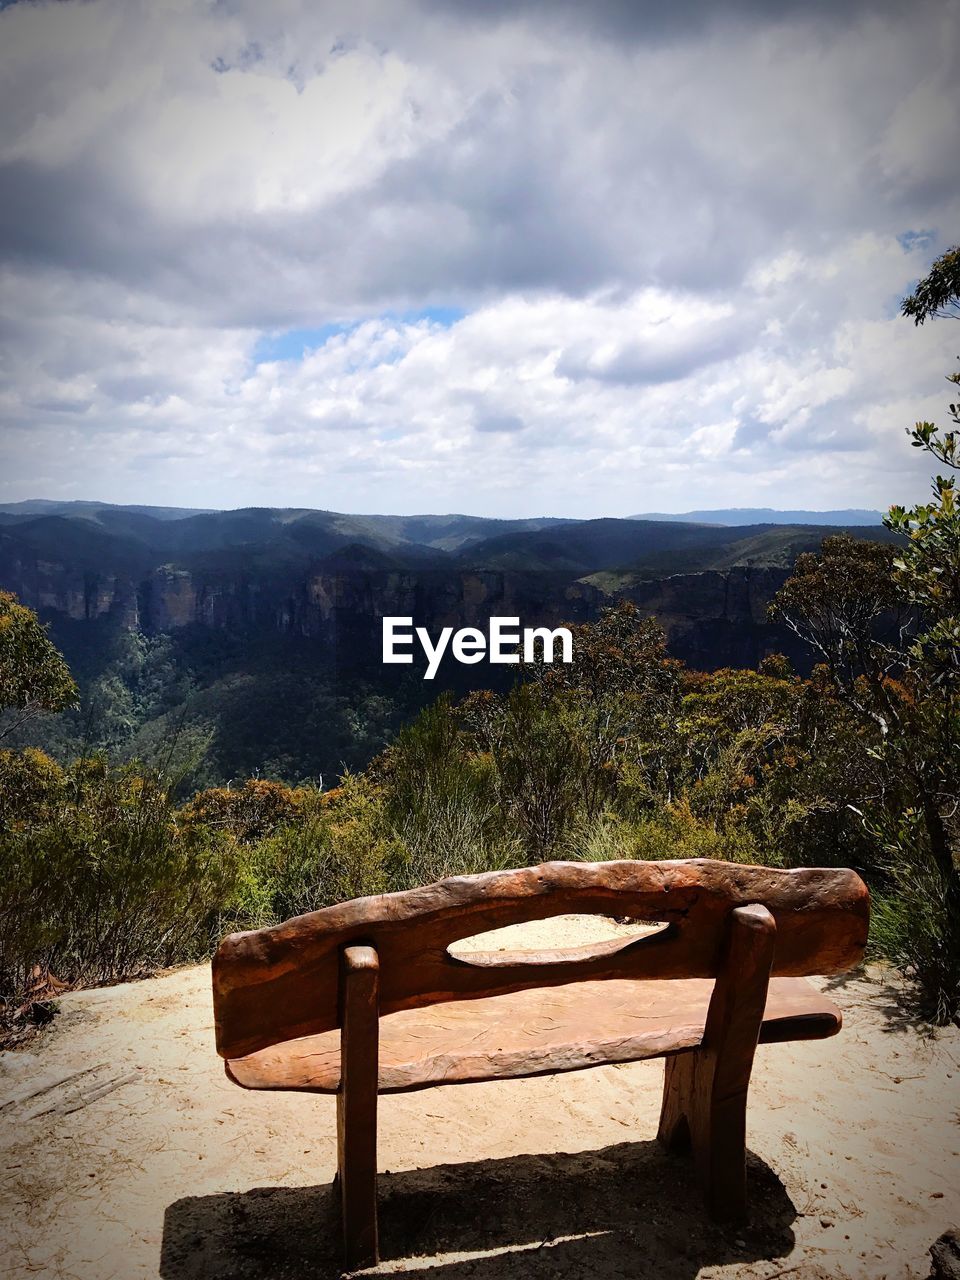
x=912, y=924
x=98, y=883
x=673, y=832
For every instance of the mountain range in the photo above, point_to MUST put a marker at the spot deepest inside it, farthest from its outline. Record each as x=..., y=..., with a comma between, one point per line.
x=846, y=517
x=332, y=575
x=262, y=626
x=102, y=537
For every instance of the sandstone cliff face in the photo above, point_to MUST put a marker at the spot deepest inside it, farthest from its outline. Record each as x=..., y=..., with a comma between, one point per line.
x=436, y=599
x=719, y=618
x=171, y=597
x=740, y=595
x=46, y=585
x=711, y=618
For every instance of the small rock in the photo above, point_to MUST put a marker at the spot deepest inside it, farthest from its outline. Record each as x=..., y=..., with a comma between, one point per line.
x=825, y=1222
x=42, y=1012
x=945, y=1252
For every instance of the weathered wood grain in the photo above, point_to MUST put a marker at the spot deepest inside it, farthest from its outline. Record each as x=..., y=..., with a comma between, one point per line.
x=357, y=1106
x=705, y=1092
x=535, y=1033
x=274, y=985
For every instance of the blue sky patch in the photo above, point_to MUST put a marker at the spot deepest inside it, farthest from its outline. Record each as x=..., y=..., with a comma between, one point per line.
x=294, y=344
x=908, y=240
x=446, y=316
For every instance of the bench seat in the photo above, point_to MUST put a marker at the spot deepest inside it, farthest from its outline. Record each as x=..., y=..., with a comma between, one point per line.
x=534, y=1032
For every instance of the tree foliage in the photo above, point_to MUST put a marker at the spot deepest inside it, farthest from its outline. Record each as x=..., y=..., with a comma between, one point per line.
x=33, y=676
x=886, y=622
x=938, y=293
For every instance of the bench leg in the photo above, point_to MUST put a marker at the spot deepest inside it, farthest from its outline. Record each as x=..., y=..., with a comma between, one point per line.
x=705, y=1089
x=357, y=1106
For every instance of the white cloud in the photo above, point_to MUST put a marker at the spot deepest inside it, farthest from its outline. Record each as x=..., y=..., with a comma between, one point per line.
x=676, y=248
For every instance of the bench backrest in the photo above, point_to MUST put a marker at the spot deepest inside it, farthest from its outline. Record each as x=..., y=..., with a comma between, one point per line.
x=276, y=984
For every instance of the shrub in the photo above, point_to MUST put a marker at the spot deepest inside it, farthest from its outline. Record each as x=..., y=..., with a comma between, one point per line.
x=911, y=923
x=362, y=855
x=285, y=874
x=440, y=800
x=673, y=832
x=248, y=812
x=101, y=884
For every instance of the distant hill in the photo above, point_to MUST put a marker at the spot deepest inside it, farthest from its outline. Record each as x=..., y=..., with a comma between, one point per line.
x=846, y=518
x=282, y=546
x=48, y=507
x=651, y=547
x=207, y=527
x=307, y=533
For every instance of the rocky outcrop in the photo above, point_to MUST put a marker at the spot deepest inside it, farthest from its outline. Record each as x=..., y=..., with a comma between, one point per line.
x=83, y=595
x=945, y=1256
x=711, y=618
x=718, y=618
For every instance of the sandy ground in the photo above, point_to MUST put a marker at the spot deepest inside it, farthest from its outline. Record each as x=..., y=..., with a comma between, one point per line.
x=139, y=1158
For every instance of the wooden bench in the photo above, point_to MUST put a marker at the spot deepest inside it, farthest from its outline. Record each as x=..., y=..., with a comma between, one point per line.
x=345, y=1000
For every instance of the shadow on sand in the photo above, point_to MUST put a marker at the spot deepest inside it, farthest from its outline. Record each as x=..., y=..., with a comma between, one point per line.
x=899, y=1001
x=627, y=1210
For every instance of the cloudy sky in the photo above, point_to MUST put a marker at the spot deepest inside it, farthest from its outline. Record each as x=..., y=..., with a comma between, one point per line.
x=501, y=258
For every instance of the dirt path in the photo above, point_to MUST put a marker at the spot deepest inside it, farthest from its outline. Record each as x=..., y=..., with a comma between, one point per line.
x=139, y=1158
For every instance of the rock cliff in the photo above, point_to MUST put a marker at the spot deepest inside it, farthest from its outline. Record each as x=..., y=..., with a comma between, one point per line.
x=712, y=618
